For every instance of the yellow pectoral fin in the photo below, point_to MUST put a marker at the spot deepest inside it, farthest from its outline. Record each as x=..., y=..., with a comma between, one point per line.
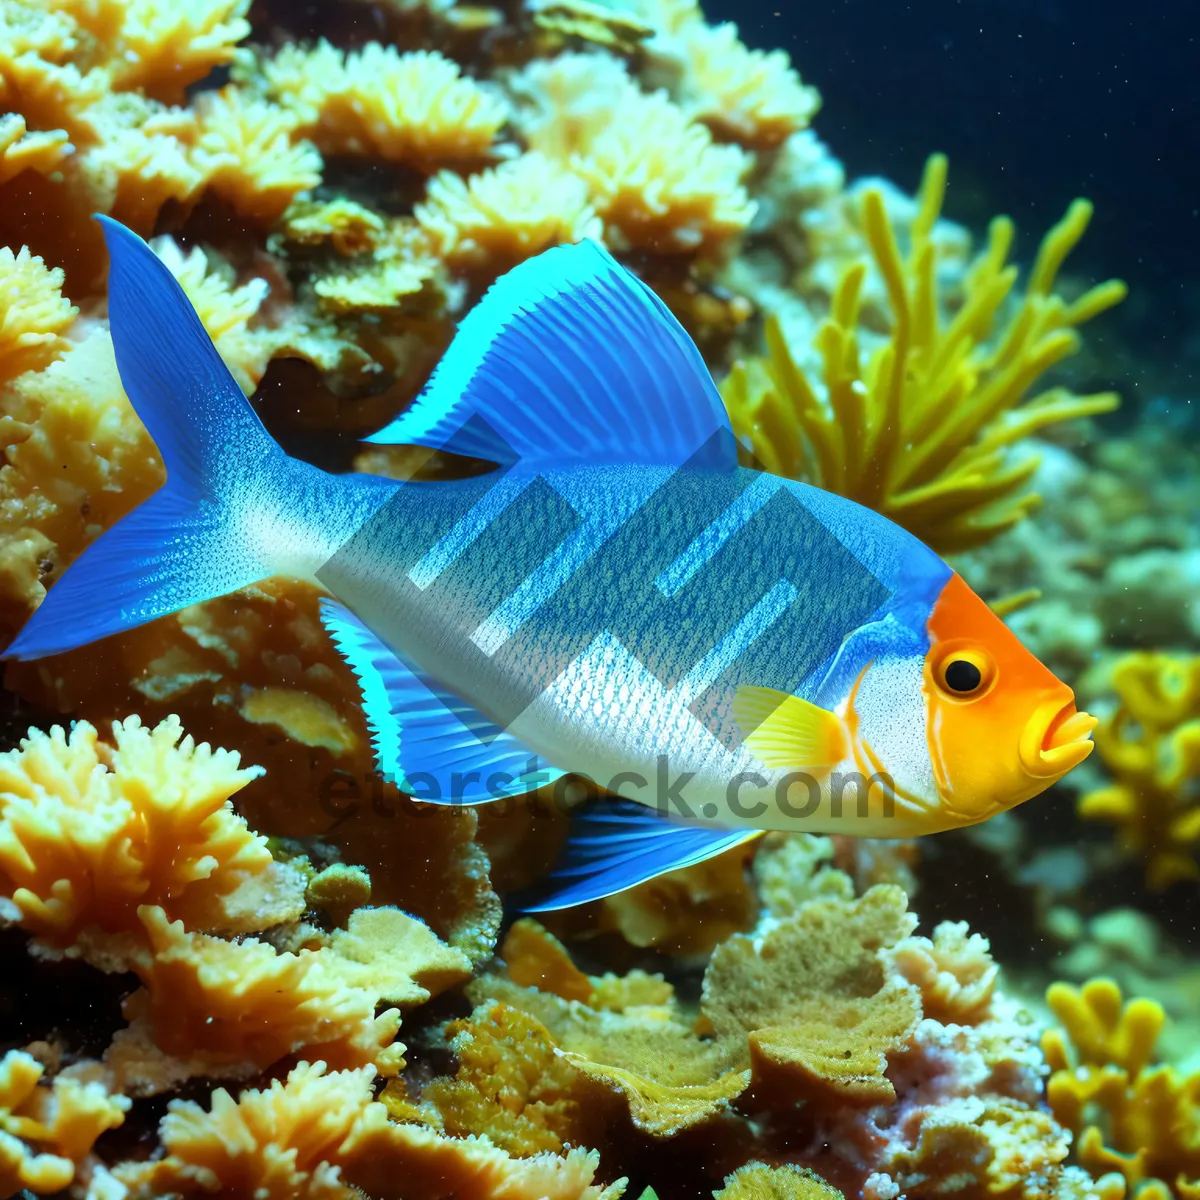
x=782, y=730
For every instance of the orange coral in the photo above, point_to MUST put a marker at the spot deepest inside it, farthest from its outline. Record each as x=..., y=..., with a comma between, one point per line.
x=46, y=1132
x=21, y=150
x=754, y=97
x=34, y=314
x=219, y=1008
x=319, y=1133
x=415, y=108
x=89, y=833
x=511, y=1085
x=246, y=151
x=507, y=214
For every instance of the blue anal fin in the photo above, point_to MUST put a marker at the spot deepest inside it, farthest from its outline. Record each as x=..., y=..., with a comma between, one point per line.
x=617, y=844
x=427, y=740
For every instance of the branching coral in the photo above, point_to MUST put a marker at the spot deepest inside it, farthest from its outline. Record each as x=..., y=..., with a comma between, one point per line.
x=1134, y=1118
x=89, y=833
x=1151, y=744
x=320, y=1134
x=921, y=428
x=47, y=1131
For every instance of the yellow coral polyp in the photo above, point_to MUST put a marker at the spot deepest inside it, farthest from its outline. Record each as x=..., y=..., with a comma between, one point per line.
x=21, y=150
x=660, y=183
x=1151, y=745
x=248, y=156
x=46, y=1131
x=89, y=833
x=753, y=97
x=34, y=314
x=921, y=427
x=415, y=108
x=507, y=214
x=1132, y=1117
x=163, y=47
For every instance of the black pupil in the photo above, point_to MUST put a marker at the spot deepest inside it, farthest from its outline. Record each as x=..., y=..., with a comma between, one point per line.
x=962, y=676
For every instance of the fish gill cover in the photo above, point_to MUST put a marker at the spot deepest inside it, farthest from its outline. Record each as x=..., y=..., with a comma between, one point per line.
x=261, y=970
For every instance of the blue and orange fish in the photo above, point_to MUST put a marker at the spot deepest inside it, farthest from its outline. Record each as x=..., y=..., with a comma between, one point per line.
x=721, y=650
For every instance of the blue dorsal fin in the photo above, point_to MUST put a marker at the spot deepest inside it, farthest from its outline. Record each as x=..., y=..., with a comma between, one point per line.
x=428, y=741
x=569, y=358
x=617, y=844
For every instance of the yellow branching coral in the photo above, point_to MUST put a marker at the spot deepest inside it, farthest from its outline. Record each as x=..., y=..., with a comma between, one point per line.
x=920, y=430
x=415, y=108
x=21, y=150
x=34, y=314
x=753, y=97
x=1132, y=1117
x=248, y=156
x=88, y=833
x=47, y=1131
x=1151, y=744
x=507, y=214
x=319, y=1133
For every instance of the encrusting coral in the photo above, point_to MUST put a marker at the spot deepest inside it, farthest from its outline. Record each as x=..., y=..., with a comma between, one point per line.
x=1138, y=1122
x=919, y=428
x=1151, y=745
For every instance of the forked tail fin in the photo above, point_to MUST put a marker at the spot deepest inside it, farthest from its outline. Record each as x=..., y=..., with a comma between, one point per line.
x=220, y=521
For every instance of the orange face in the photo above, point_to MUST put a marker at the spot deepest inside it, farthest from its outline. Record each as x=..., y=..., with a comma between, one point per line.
x=1001, y=727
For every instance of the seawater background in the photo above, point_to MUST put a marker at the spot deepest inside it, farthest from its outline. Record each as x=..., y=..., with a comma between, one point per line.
x=1036, y=102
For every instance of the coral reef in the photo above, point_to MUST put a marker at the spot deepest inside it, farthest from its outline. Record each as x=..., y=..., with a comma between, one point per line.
x=333, y=191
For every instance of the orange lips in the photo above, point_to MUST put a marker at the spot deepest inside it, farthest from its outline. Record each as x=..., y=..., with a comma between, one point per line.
x=1055, y=739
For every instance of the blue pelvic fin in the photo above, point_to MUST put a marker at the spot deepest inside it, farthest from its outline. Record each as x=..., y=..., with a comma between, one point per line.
x=428, y=741
x=617, y=844
x=570, y=358
x=183, y=545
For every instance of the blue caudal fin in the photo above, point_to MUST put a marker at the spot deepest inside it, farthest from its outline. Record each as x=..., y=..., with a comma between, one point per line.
x=187, y=542
x=617, y=844
x=570, y=358
x=426, y=740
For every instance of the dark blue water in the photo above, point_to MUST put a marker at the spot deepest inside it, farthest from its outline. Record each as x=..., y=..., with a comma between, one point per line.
x=1036, y=102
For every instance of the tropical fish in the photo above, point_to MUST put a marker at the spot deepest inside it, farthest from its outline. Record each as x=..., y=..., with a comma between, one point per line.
x=722, y=651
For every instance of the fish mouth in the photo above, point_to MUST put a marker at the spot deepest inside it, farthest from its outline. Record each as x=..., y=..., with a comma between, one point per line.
x=1056, y=739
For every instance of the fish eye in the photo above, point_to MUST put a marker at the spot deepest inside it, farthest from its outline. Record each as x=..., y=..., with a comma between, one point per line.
x=965, y=673
x=962, y=675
